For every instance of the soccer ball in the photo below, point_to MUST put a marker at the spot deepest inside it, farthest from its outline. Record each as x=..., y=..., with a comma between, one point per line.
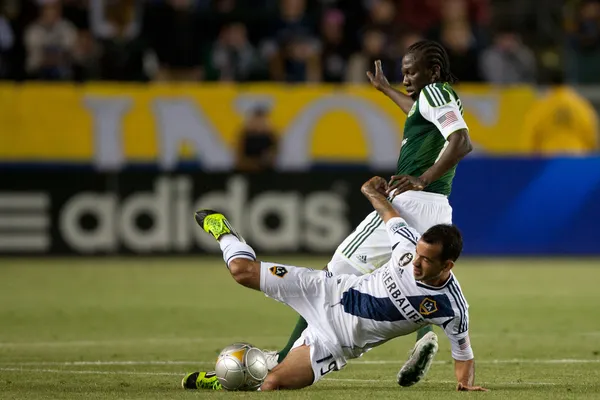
x=241, y=366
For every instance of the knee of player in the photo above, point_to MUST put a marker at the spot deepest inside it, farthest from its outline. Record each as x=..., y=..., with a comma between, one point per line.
x=241, y=270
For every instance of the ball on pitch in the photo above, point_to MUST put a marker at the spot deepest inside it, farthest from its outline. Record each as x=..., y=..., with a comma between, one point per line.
x=241, y=366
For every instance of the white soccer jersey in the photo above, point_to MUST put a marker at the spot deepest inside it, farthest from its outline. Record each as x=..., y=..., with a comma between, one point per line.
x=389, y=302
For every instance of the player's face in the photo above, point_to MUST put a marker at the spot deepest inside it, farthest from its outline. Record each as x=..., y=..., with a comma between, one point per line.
x=428, y=267
x=416, y=76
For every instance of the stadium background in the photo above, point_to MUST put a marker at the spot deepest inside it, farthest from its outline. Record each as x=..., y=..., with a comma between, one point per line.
x=120, y=118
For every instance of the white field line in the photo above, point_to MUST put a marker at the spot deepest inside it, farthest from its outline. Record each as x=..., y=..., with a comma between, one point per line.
x=80, y=372
x=100, y=363
x=66, y=371
x=129, y=342
x=98, y=343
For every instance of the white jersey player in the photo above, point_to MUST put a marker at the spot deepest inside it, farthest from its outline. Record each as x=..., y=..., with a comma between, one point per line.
x=435, y=139
x=348, y=315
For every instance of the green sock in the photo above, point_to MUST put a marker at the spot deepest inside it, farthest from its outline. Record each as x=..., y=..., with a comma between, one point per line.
x=300, y=327
x=423, y=331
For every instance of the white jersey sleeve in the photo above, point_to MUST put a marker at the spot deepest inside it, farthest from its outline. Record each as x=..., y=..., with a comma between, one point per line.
x=403, y=239
x=460, y=345
x=440, y=107
x=457, y=329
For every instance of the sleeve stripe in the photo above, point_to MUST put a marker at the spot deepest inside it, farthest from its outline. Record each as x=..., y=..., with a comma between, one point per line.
x=448, y=95
x=462, y=309
x=440, y=94
x=428, y=97
x=241, y=254
x=460, y=301
x=465, y=322
x=407, y=236
x=438, y=100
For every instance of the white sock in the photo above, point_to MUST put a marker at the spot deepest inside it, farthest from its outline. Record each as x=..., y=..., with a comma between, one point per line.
x=227, y=239
x=232, y=248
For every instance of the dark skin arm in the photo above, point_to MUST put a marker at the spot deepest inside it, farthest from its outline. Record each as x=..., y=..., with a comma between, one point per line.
x=380, y=82
x=375, y=191
x=459, y=145
x=465, y=375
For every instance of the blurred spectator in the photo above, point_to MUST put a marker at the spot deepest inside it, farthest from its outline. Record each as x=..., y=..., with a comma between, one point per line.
x=174, y=32
x=293, y=53
x=423, y=15
x=583, y=53
x=561, y=122
x=335, y=53
x=461, y=38
x=117, y=26
x=382, y=16
x=373, y=48
x=76, y=11
x=462, y=53
x=85, y=57
x=508, y=60
x=297, y=61
x=7, y=40
x=50, y=43
x=233, y=56
x=258, y=143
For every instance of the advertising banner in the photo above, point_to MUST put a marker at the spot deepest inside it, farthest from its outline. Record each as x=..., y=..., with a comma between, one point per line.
x=112, y=126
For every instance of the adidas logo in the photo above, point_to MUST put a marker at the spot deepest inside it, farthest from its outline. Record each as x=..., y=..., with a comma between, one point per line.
x=362, y=258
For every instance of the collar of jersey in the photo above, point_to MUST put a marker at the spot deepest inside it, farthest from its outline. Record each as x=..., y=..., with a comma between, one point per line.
x=436, y=287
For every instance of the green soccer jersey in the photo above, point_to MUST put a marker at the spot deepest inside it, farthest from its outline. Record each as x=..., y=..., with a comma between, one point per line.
x=433, y=117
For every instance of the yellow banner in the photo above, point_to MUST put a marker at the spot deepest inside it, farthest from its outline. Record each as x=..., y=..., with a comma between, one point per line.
x=112, y=125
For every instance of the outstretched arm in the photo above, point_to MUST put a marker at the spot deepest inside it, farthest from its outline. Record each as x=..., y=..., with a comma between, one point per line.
x=380, y=82
x=374, y=190
x=465, y=375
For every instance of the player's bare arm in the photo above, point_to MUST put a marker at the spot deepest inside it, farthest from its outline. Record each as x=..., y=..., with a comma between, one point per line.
x=380, y=82
x=375, y=191
x=465, y=375
x=459, y=145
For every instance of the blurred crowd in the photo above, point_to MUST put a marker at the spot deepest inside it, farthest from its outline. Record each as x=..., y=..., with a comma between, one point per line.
x=501, y=41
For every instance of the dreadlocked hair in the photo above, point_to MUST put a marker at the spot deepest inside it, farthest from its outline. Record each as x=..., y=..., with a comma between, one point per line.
x=433, y=53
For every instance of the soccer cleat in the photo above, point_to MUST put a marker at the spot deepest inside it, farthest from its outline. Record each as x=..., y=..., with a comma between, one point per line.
x=272, y=358
x=201, y=380
x=419, y=361
x=216, y=224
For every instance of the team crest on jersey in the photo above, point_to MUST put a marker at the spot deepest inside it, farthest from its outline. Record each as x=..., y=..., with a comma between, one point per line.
x=413, y=109
x=427, y=306
x=405, y=259
x=278, y=271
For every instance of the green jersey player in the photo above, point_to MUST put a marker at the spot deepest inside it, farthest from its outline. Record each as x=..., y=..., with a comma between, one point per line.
x=435, y=139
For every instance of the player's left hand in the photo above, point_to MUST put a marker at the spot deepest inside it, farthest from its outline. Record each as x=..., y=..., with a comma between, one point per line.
x=462, y=388
x=403, y=183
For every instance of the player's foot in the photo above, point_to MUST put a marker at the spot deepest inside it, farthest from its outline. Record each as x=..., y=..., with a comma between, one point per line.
x=272, y=358
x=201, y=380
x=216, y=224
x=419, y=361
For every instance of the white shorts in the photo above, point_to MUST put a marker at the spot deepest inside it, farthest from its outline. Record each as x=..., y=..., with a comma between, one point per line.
x=368, y=247
x=311, y=294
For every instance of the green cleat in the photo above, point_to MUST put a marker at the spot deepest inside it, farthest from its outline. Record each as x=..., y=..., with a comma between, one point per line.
x=419, y=361
x=216, y=224
x=201, y=380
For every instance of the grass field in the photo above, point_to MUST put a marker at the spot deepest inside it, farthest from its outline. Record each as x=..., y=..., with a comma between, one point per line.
x=128, y=329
